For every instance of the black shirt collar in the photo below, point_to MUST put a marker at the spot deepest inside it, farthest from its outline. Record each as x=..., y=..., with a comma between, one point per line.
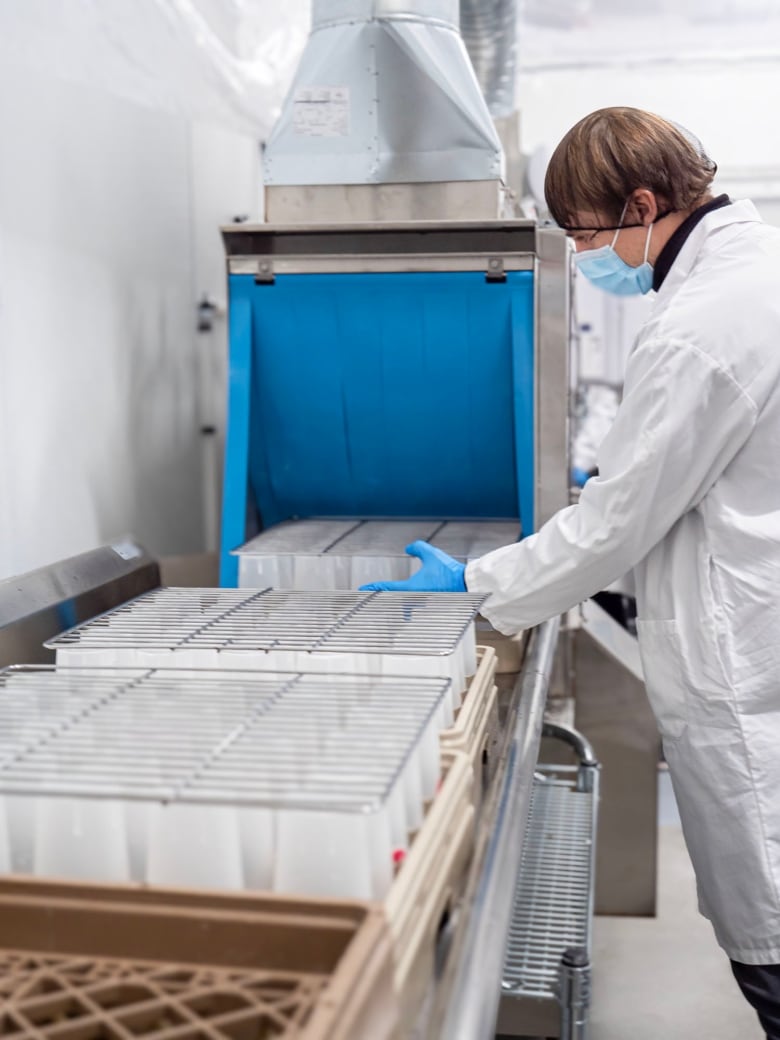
x=668, y=254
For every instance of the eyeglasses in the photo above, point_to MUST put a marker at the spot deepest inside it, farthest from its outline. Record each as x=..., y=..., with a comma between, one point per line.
x=571, y=228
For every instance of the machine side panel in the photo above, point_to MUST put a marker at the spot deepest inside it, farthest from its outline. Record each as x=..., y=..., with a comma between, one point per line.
x=234, y=495
x=523, y=388
x=387, y=395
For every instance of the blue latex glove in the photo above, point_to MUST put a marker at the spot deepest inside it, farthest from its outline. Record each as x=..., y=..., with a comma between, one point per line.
x=579, y=477
x=439, y=573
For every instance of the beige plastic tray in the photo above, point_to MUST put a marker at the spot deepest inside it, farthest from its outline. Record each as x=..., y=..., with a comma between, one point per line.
x=429, y=882
x=510, y=650
x=469, y=733
x=85, y=962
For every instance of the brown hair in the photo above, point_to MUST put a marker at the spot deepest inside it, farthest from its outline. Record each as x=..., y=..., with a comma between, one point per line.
x=614, y=151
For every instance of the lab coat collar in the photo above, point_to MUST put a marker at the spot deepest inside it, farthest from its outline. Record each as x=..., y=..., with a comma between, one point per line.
x=740, y=212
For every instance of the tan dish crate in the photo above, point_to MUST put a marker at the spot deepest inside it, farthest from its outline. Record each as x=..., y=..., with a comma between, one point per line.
x=85, y=962
x=510, y=650
x=471, y=729
x=429, y=883
x=89, y=962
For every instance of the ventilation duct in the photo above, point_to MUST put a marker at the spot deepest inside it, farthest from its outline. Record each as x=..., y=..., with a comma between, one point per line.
x=385, y=119
x=489, y=30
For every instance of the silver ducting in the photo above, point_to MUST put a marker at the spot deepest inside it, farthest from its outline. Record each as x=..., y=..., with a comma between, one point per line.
x=384, y=111
x=489, y=30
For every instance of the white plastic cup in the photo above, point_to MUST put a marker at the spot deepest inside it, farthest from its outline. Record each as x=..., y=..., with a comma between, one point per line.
x=411, y=777
x=137, y=823
x=5, y=839
x=342, y=855
x=19, y=819
x=469, y=644
x=258, y=840
x=340, y=576
x=194, y=846
x=308, y=574
x=430, y=758
x=399, y=819
x=81, y=838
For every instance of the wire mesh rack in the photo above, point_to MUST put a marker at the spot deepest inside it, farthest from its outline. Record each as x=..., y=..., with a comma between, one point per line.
x=411, y=633
x=467, y=540
x=332, y=554
x=384, y=537
x=299, y=536
x=212, y=737
x=270, y=619
x=226, y=779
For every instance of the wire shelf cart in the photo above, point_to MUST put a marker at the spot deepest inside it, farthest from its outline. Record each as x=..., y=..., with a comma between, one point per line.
x=546, y=979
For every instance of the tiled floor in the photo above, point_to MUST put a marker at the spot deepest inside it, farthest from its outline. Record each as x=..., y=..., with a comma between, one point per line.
x=666, y=978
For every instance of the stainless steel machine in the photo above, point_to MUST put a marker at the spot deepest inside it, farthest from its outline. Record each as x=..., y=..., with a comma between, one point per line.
x=400, y=348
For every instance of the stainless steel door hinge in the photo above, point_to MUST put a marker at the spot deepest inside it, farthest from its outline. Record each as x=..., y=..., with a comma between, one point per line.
x=495, y=270
x=265, y=273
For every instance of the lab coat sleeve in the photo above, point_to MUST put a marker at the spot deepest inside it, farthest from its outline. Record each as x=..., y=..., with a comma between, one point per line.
x=682, y=419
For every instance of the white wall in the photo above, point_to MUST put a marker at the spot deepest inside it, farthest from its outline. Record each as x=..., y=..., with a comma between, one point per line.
x=718, y=77
x=111, y=193
x=730, y=107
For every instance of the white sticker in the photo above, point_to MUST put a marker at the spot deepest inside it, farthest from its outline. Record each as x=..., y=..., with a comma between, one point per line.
x=127, y=550
x=321, y=112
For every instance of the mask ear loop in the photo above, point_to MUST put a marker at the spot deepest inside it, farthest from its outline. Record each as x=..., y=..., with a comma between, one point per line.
x=647, y=242
x=620, y=222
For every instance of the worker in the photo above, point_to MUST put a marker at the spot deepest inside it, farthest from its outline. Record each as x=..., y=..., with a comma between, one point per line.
x=688, y=495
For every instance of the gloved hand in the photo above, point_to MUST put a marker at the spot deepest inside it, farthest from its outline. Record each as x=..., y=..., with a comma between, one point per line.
x=439, y=573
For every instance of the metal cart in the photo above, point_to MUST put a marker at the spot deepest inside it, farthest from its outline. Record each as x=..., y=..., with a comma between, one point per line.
x=546, y=980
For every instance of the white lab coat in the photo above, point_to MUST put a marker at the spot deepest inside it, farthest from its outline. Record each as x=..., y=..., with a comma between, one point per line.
x=688, y=494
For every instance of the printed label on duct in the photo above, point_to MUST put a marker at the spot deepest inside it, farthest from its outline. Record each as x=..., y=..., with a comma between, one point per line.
x=321, y=112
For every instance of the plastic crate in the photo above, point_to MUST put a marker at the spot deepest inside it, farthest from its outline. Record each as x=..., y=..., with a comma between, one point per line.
x=510, y=650
x=469, y=733
x=85, y=962
x=430, y=879
x=90, y=962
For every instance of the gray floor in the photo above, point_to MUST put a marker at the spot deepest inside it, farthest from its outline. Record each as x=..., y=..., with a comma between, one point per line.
x=666, y=978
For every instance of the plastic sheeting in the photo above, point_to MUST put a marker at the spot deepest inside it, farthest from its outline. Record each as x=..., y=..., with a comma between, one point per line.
x=125, y=145
x=227, y=61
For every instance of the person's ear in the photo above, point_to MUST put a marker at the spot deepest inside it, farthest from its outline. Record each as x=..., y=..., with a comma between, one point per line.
x=644, y=206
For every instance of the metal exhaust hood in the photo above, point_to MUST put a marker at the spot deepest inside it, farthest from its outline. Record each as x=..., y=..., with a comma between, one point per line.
x=385, y=119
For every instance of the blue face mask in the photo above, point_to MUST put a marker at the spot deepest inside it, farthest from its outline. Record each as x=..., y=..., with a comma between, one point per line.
x=609, y=271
